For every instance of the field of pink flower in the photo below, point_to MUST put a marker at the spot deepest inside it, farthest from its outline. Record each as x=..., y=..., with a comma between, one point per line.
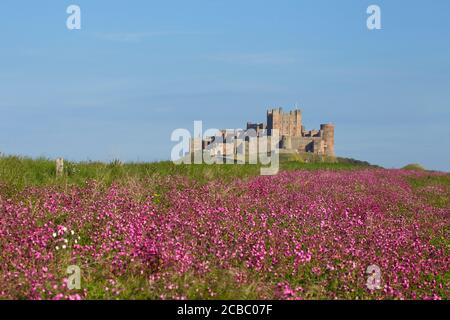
x=297, y=235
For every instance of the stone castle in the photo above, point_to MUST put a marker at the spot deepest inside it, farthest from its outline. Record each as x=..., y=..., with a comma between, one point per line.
x=294, y=138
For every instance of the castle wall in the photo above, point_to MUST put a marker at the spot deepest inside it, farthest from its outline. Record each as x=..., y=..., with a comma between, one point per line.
x=294, y=137
x=308, y=144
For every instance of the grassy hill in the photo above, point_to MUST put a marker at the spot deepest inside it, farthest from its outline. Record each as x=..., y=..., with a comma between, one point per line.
x=18, y=172
x=163, y=231
x=166, y=231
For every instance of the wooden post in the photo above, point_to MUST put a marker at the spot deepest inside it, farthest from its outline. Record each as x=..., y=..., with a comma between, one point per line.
x=59, y=167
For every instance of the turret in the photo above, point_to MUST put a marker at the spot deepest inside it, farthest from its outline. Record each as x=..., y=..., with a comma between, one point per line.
x=328, y=138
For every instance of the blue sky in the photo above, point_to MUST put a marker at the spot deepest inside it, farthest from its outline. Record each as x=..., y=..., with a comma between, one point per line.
x=137, y=70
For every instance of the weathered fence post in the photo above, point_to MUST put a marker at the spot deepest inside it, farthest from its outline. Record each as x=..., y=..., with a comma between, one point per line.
x=59, y=167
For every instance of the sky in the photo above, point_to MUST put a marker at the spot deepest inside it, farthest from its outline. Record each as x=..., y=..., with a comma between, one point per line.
x=137, y=70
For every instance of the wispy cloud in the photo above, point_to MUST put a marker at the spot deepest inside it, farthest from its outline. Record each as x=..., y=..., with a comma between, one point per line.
x=256, y=58
x=140, y=36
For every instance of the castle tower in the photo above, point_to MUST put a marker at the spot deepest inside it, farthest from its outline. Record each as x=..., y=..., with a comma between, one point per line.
x=328, y=138
x=274, y=120
x=296, y=123
x=289, y=124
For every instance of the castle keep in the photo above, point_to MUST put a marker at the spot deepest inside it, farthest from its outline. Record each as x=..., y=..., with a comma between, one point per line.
x=294, y=138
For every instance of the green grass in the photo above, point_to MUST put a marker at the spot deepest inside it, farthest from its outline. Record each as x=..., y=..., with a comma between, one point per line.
x=414, y=166
x=16, y=173
x=430, y=181
x=437, y=199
